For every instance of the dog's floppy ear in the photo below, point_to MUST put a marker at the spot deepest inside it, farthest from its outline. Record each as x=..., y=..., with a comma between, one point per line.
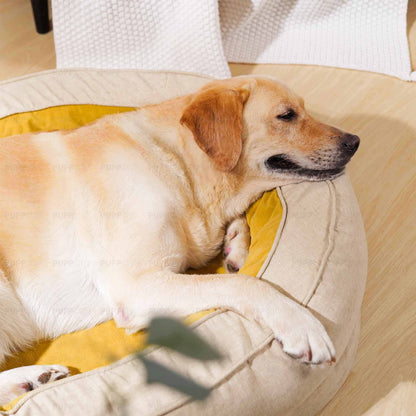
x=215, y=118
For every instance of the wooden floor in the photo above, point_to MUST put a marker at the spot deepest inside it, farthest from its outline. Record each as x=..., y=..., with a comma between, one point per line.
x=382, y=111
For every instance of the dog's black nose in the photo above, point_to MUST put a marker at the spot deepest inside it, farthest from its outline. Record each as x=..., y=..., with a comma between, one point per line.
x=350, y=143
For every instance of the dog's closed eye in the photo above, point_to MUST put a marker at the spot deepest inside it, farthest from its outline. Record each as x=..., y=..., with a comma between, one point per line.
x=287, y=115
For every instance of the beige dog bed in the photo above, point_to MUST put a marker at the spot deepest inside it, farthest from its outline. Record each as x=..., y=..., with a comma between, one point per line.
x=317, y=255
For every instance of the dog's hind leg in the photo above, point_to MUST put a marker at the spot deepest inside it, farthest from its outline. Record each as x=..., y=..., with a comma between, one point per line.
x=18, y=331
x=15, y=382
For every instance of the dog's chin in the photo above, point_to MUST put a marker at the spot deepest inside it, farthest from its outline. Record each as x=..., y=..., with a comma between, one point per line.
x=281, y=165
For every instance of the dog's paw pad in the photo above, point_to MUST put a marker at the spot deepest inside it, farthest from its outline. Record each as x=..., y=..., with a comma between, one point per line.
x=42, y=374
x=53, y=373
x=44, y=377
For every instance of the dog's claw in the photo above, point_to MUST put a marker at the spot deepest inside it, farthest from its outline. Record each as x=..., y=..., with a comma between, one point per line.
x=308, y=355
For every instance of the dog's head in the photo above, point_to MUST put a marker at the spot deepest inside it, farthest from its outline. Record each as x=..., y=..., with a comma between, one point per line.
x=260, y=125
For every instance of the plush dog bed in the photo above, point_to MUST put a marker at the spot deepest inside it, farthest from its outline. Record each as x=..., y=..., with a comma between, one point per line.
x=307, y=239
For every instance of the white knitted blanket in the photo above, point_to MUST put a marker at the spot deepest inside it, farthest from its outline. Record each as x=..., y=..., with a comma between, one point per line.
x=201, y=35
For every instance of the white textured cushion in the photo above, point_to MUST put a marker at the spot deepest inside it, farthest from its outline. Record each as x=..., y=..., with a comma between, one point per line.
x=201, y=36
x=319, y=258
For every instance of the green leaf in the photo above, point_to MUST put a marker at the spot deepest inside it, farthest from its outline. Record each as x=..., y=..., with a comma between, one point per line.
x=158, y=373
x=173, y=334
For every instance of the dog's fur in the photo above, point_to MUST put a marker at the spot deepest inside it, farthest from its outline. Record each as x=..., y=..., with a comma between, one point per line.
x=101, y=222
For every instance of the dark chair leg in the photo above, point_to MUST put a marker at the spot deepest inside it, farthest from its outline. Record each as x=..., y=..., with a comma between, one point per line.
x=41, y=15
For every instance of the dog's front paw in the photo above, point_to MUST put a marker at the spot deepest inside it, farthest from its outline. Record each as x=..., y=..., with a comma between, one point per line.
x=236, y=245
x=303, y=336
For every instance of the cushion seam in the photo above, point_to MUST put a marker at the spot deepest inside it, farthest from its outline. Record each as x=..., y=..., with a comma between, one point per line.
x=126, y=360
x=234, y=369
x=239, y=365
x=102, y=70
x=330, y=245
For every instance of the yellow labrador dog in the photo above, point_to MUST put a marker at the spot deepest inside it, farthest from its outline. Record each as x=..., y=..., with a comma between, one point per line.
x=101, y=222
